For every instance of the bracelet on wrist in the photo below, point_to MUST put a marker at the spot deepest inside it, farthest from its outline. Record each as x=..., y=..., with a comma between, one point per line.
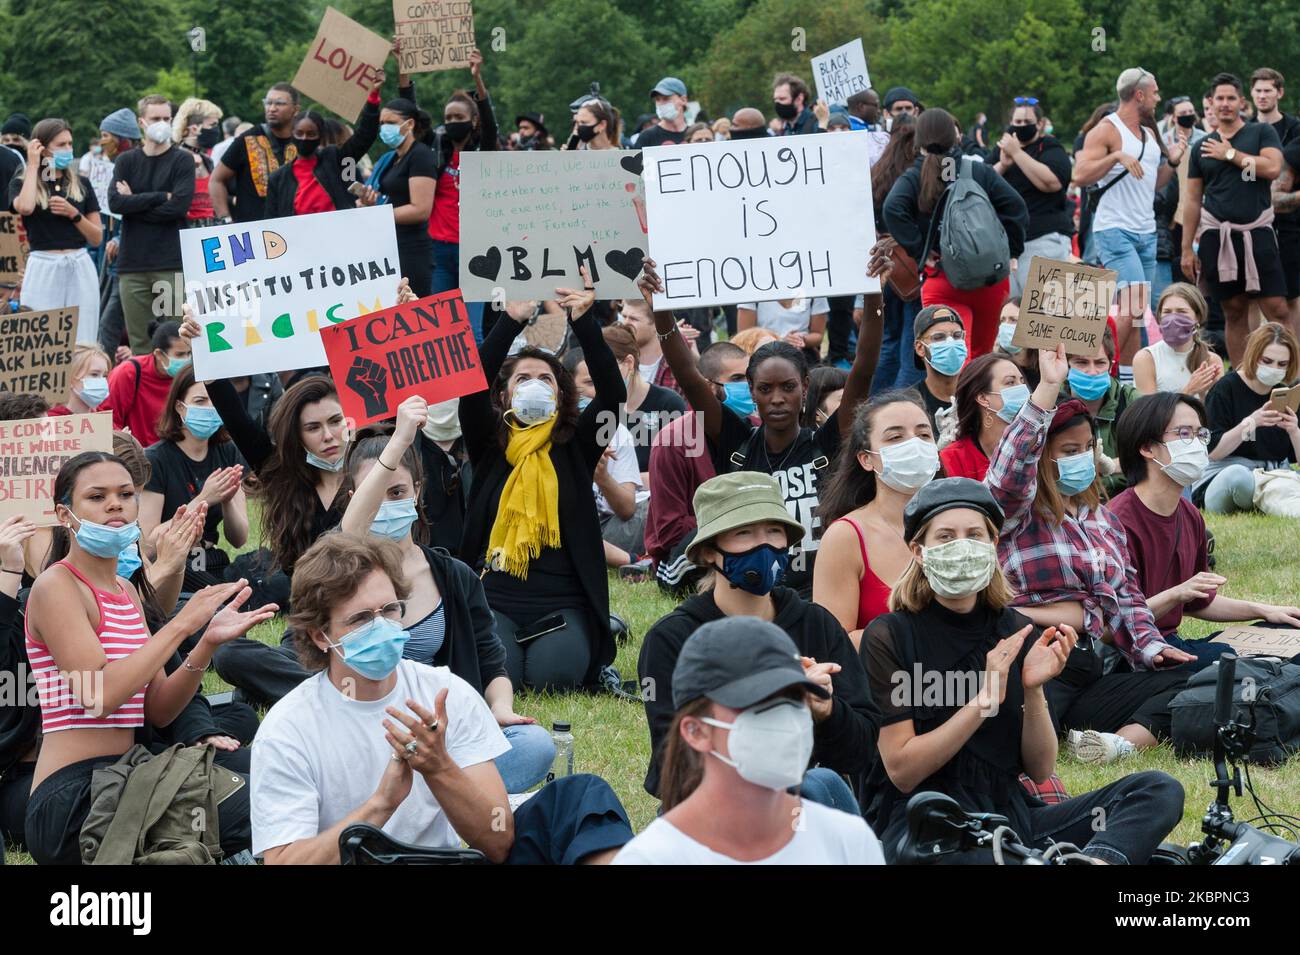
x=381, y=463
x=191, y=668
x=16, y=573
x=664, y=336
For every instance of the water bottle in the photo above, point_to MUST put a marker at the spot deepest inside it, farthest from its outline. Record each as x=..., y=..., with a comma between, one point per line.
x=563, y=739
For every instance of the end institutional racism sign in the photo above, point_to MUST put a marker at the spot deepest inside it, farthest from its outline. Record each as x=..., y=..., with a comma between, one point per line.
x=423, y=348
x=34, y=449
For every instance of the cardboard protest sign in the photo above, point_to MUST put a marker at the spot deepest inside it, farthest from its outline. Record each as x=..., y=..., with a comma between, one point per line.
x=1064, y=302
x=760, y=219
x=13, y=249
x=423, y=348
x=528, y=220
x=1261, y=641
x=841, y=72
x=435, y=34
x=32, y=451
x=263, y=290
x=342, y=64
x=36, y=352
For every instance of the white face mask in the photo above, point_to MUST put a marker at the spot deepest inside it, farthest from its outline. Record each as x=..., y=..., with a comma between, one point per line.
x=666, y=110
x=770, y=744
x=1187, y=461
x=533, y=402
x=159, y=132
x=908, y=465
x=1270, y=375
x=960, y=567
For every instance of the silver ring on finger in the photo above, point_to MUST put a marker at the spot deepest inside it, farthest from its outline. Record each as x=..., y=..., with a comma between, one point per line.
x=433, y=727
x=412, y=747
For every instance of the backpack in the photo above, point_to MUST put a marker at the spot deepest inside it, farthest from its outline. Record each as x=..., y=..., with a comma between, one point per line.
x=973, y=244
x=1274, y=688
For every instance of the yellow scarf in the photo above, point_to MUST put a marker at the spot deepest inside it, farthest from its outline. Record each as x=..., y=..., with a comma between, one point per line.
x=528, y=516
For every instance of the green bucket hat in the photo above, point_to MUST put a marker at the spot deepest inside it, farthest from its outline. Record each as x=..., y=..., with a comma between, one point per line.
x=729, y=501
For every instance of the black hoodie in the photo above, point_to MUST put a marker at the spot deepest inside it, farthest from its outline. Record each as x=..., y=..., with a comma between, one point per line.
x=844, y=742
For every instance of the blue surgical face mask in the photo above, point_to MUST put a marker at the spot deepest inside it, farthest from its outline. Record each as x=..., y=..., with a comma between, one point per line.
x=93, y=391
x=757, y=570
x=739, y=399
x=583, y=402
x=202, y=421
x=104, y=541
x=1007, y=331
x=176, y=365
x=1013, y=399
x=373, y=649
x=391, y=134
x=394, y=519
x=333, y=467
x=62, y=158
x=1078, y=471
x=947, y=357
x=1086, y=386
x=128, y=562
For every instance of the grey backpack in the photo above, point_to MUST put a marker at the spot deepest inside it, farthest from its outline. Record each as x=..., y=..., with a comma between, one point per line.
x=972, y=242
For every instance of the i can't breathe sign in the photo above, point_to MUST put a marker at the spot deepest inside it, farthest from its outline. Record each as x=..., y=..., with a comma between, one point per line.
x=760, y=220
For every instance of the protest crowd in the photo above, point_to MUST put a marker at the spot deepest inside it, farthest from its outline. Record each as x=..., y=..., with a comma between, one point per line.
x=887, y=476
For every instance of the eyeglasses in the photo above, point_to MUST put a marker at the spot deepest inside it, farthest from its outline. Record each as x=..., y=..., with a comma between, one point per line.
x=1026, y=101
x=1187, y=432
x=938, y=337
x=393, y=611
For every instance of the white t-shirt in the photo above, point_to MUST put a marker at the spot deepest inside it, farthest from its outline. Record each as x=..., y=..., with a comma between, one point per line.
x=319, y=755
x=648, y=372
x=623, y=469
x=777, y=318
x=823, y=836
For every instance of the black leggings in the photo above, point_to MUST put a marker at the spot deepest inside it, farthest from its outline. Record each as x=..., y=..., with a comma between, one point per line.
x=1084, y=697
x=556, y=661
x=59, y=806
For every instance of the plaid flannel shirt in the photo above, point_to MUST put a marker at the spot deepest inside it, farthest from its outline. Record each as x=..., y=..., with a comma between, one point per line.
x=1084, y=558
x=665, y=378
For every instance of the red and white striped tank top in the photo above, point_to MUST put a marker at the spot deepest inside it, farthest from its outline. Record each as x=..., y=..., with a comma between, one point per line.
x=121, y=631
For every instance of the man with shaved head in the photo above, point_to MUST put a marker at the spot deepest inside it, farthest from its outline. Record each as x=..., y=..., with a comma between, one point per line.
x=748, y=123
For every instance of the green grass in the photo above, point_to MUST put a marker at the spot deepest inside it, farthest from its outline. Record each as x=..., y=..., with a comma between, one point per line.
x=611, y=739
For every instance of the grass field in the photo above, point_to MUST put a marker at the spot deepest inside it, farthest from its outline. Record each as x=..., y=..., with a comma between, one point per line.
x=1254, y=554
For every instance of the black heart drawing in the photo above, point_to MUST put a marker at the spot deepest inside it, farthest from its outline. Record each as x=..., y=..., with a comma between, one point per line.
x=632, y=163
x=625, y=263
x=486, y=266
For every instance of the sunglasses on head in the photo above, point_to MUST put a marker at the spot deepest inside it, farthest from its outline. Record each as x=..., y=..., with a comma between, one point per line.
x=1026, y=101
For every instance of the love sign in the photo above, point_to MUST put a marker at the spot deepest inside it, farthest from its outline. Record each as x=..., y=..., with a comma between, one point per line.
x=342, y=64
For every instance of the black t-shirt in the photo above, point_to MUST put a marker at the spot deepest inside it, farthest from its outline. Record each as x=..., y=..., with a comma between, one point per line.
x=798, y=469
x=47, y=231
x=396, y=184
x=660, y=407
x=10, y=163
x=1288, y=223
x=1049, y=212
x=1228, y=195
x=179, y=479
x=248, y=205
x=1227, y=404
x=933, y=405
x=658, y=136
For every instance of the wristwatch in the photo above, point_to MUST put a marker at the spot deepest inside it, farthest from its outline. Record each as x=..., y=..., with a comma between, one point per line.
x=1230, y=155
x=78, y=218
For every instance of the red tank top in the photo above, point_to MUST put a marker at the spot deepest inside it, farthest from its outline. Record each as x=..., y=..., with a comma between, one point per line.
x=873, y=594
x=121, y=631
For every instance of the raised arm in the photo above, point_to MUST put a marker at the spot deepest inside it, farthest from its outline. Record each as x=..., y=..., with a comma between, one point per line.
x=858, y=385
x=369, y=494
x=1013, y=471
x=367, y=128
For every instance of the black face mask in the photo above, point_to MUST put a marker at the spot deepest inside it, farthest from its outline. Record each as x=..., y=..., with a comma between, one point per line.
x=758, y=132
x=1025, y=133
x=1188, y=121
x=587, y=133
x=458, y=131
x=209, y=137
x=526, y=142
x=306, y=147
x=786, y=110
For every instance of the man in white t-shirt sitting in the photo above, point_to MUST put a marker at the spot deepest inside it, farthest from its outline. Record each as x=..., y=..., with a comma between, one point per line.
x=800, y=321
x=403, y=746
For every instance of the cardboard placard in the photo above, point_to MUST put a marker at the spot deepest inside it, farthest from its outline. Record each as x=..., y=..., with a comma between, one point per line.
x=435, y=34
x=528, y=220
x=1064, y=303
x=1285, y=398
x=13, y=249
x=341, y=64
x=263, y=290
x=1261, y=641
x=761, y=219
x=31, y=452
x=423, y=348
x=36, y=352
x=841, y=72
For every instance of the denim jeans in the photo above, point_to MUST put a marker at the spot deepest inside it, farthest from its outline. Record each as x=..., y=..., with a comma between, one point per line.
x=1131, y=254
x=825, y=786
x=1164, y=279
x=1232, y=489
x=446, y=276
x=531, y=754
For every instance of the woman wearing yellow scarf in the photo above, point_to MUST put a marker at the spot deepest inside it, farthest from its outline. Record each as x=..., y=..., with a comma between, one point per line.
x=531, y=526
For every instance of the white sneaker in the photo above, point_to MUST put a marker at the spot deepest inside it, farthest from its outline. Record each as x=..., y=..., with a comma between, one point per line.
x=1092, y=746
x=518, y=799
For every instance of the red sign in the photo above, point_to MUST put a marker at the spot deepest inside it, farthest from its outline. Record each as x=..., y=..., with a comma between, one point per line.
x=424, y=348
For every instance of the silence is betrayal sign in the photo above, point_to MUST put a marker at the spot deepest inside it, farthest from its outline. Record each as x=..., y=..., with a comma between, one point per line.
x=529, y=220
x=760, y=219
x=32, y=451
x=13, y=249
x=263, y=290
x=841, y=72
x=36, y=352
x=1261, y=641
x=341, y=64
x=434, y=34
x=1064, y=303
x=423, y=348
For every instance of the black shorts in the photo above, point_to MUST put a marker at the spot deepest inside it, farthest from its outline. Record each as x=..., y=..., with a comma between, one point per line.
x=1272, y=281
x=1289, y=248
